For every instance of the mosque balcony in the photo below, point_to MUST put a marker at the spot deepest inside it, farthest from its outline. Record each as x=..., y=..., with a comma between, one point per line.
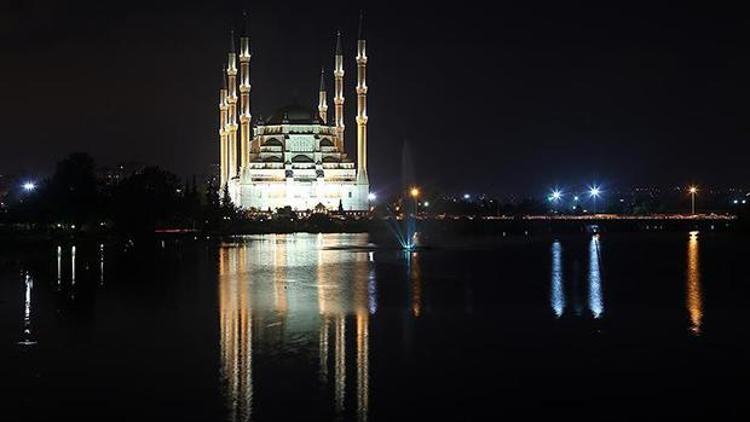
x=271, y=156
x=343, y=166
x=273, y=166
x=297, y=166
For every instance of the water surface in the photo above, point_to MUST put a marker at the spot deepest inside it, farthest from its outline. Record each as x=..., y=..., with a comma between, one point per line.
x=330, y=326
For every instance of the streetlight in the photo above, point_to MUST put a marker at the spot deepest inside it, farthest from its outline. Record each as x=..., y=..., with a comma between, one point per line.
x=371, y=196
x=594, y=193
x=693, y=190
x=556, y=195
x=414, y=192
x=29, y=186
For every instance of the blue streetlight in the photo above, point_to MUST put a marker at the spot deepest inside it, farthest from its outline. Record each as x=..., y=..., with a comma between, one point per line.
x=29, y=186
x=594, y=193
x=556, y=195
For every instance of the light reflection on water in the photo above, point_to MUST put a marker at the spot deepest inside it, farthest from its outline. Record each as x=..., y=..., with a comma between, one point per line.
x=558, y=301
x=27, y=339
x=276, y=270
x=694, y=295
x=558, y=295
x=596, y=303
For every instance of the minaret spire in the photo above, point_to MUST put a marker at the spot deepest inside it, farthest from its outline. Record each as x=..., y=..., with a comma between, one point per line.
x=245, y=116
x=338, y=99
x=223, y=144
x=232, y=108
x=362, y=178
x=323, y=97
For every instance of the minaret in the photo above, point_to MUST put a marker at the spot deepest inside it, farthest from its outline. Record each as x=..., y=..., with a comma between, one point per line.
x=224, y=162
x=245, y=115
x=323, y=98
x=232, y=108
x=338, y=99
x=362, y=178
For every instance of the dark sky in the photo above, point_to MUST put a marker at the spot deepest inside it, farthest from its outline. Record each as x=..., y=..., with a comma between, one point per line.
x=511, y=98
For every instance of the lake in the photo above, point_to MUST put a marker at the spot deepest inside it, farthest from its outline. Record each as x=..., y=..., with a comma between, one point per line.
x=333, y=327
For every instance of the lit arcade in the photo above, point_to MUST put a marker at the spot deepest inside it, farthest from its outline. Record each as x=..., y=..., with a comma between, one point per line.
x=296, y=157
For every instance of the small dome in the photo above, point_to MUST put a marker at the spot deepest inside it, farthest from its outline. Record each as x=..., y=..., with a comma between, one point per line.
x=294, y=114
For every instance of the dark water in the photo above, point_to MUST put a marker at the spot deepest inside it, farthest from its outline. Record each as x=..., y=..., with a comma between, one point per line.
x=326, y=327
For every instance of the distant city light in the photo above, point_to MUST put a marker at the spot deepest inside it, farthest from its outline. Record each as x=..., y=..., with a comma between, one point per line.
x=556, y=195
x=467, y=196
x=575, y=198
x=29, y=186
x=693, y=189
x=371, y=196
x=414, y=192
x=736, y=201
x=426, y=204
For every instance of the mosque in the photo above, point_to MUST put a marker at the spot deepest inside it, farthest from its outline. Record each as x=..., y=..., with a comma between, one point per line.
x=296, y=157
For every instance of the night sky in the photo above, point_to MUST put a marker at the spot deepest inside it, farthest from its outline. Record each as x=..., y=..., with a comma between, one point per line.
x=509, y=99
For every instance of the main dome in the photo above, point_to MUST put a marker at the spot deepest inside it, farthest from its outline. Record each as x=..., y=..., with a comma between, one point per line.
x=294, y=114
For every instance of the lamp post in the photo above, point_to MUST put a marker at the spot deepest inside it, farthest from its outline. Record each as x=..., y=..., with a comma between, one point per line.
x=594, y=193
x=693, y=190
x=414, y=192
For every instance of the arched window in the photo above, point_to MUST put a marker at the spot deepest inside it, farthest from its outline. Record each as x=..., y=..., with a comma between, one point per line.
x=272, y=159
x=273, y=142
x=301, y=159
x=326, y=143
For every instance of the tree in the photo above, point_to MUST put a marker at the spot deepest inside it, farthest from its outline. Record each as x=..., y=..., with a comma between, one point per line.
x=146, y=200
x=71, y=193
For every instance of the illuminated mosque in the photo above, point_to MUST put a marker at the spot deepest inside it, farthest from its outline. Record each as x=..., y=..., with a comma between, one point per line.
x=296, y=157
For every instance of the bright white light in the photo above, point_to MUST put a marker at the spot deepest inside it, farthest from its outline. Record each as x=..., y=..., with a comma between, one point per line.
x=29, y=186
x=736, y=201
x=556, y=195
x=426, y=204
x=575, y=198
x=594, y=191
x=371, y=196
x=467, y=196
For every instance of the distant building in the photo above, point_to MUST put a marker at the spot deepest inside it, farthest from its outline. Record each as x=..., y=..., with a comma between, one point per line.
x=296, y=157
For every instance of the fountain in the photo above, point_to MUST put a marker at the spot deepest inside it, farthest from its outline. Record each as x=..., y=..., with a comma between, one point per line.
x=405, y=229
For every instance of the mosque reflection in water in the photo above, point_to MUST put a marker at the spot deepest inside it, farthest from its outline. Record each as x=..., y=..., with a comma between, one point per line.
x=296, y=288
